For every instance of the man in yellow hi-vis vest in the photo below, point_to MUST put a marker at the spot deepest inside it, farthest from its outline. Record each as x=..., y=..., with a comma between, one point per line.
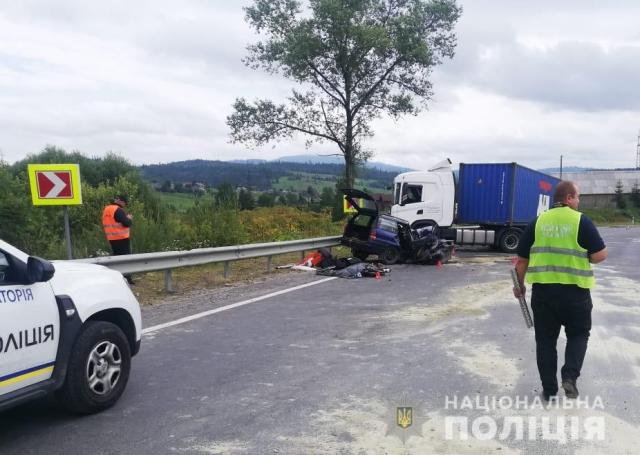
x=556, y=253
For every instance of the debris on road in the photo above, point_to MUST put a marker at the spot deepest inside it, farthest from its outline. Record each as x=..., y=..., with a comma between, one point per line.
x=324, y=263
x=358, y=270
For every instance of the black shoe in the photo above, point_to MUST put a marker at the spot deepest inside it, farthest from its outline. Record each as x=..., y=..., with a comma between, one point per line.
x=130, y=280
x=570, y=388
x=547, y=396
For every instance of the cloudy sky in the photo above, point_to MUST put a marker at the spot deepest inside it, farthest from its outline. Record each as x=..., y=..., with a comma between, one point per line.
x=155, y=80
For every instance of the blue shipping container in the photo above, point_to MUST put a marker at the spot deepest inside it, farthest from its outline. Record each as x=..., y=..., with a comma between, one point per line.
x=502, y=194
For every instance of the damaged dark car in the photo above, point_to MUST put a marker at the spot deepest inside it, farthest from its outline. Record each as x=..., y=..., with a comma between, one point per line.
x=391, y=239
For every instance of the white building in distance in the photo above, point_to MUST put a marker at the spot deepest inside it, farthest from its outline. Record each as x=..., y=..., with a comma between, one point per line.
x=598, y=187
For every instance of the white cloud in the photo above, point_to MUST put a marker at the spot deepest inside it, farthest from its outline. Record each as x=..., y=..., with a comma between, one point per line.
x=155, y=80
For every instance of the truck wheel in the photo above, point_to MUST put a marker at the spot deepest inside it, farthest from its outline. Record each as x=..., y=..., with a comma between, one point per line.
x=509, y=240
x=389, y=256
x=359, y=254
x=98, y=368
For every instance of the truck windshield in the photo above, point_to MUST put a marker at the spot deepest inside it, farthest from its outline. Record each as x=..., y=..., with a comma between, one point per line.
x=411, y=194
x=396, y=194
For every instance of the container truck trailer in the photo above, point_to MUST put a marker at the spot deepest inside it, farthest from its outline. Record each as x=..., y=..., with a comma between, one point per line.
x=490, y=204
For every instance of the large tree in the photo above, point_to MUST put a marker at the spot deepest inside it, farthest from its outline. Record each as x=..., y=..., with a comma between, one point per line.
x=355, y=59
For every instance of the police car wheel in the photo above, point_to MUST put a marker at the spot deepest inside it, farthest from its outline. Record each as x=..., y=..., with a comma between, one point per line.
x=98, y=368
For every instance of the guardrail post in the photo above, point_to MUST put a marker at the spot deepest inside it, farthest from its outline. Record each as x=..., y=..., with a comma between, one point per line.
x=302, y=255
x=168, y=282
x=269, y=263
x=226, y=269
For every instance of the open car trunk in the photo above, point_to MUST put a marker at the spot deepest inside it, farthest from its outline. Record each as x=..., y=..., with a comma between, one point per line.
x=360, y=225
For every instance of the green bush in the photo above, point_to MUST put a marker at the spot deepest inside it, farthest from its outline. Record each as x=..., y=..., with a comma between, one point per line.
x=157, y=226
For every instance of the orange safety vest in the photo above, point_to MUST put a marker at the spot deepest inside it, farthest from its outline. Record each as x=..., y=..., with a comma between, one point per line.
x=112, y=229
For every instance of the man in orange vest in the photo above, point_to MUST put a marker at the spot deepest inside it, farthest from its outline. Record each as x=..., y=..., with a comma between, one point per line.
x=116, y=224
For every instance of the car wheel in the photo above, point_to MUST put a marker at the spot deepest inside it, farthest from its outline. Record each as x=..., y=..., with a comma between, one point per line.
x=359, y=254
x=389, y=256
x=98, y=368
x=509, y=240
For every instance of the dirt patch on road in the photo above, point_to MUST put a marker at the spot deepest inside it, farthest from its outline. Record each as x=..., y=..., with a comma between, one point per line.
x=468, y=300
x=484, y=260
x=215, y=448
x=488, y=361
x=623, y=291
x=618, y=299
x=367, y=427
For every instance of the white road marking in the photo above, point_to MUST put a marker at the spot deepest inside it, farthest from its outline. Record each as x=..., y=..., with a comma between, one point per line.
x=203, y=314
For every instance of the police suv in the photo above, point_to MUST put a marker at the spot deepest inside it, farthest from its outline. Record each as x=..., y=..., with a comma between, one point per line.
x=65, y=327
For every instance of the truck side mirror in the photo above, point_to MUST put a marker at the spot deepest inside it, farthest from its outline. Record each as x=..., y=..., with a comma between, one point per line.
x=39, y=270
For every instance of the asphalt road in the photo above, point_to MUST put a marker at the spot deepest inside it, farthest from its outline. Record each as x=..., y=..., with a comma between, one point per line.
x=322, y=370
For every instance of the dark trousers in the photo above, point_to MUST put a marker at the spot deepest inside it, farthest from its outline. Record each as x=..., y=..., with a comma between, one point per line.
x=120, y=247
x=555, y=305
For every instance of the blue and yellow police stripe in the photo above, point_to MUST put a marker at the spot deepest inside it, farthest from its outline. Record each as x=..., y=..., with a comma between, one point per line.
x=23, y=375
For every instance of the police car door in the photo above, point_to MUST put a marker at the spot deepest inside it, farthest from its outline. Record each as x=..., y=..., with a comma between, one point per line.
x=29, y=327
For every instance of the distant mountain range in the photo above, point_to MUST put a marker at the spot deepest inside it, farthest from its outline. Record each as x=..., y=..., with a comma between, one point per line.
x=264, y=175
x=296, y=172
x=323, y=159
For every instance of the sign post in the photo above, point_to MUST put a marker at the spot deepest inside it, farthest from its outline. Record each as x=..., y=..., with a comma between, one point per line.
x=67, y=232
x=56, y=184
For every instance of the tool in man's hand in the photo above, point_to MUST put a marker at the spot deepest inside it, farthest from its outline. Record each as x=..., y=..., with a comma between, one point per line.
x=523, y=301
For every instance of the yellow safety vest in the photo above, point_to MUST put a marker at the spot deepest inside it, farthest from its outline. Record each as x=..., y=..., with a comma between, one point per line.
x=556, y=256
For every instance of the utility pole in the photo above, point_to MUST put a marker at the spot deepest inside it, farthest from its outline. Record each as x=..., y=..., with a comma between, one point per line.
x=560, y=167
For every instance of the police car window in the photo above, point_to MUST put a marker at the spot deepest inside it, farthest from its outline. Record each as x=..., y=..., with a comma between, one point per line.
x=4, y=267
x=411, y=194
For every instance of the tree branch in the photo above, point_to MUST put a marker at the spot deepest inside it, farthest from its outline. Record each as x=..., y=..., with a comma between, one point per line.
x=284, y=125
x=317, y=72
x=373, y=88
x=328, y=124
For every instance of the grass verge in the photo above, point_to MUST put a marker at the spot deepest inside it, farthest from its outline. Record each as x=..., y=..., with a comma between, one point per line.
x=149, y=287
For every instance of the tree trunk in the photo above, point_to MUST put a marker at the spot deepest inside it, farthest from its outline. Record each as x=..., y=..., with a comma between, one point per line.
x=349, y=154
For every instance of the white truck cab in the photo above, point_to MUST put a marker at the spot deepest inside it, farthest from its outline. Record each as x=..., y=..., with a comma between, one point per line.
x=65, y=327
x=490, y=205
x=425, y=195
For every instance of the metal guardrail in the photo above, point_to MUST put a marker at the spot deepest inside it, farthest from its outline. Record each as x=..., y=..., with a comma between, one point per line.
x=167, y=260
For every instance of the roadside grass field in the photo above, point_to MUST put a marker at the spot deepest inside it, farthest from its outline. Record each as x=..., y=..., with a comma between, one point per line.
x=179, y=201
x=302, y=180
x=609, y=216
